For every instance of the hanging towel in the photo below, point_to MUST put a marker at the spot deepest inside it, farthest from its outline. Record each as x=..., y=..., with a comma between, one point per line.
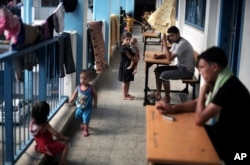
x=221, y=80
x=164, y=17
x=114, y=31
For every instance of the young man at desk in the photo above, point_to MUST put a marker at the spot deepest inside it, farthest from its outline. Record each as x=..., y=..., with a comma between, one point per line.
x=221, y=107
x=183, y=51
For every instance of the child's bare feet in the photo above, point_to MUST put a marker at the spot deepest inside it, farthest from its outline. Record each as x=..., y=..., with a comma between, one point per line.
x=128, y=98
x=131, y=96
x=130, y=67
x=134, y=72
x=82, y=126
x=85, y=132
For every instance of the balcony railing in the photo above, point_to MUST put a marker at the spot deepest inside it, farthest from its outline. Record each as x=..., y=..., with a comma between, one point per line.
x=26, y=76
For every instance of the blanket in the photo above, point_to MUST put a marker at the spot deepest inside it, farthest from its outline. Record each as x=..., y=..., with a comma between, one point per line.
x=164, y=16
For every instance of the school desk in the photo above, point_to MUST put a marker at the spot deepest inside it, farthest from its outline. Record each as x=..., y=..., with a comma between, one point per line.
x=177, y=142
x=149, y=61
x=149, y=34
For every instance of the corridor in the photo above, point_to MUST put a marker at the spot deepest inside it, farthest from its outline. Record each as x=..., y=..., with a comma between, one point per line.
x=117, y=129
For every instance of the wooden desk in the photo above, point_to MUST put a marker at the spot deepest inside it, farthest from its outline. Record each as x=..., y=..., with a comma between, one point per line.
x=147, y=35
x=149, y=61
x=177, y=142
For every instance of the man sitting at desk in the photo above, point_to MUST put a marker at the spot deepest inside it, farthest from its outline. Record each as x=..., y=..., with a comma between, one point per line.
x=222, y=106
x=184, y=52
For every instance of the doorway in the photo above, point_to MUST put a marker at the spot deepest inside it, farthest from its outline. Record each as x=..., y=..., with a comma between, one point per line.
x=141, y=6
x=231, y=30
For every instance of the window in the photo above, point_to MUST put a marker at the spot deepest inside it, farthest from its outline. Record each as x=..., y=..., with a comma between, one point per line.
x=50, y=3
x=195, y=13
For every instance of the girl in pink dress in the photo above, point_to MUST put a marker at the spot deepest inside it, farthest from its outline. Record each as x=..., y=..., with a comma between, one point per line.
x=43, y=134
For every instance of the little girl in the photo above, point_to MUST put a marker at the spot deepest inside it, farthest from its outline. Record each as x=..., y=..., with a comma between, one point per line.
x=85, y=98
x=126, y=75
x=43, y=133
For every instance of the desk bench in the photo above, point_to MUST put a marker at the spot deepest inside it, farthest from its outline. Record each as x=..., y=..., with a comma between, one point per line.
x=195, y=80
x=177, y=142
x=147, y=35
x=149, y=61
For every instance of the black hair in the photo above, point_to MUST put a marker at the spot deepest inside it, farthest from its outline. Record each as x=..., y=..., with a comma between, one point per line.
x=40, y=112
x=216, y=55
x=173, y=29
x=86, y=72
x=126, y=34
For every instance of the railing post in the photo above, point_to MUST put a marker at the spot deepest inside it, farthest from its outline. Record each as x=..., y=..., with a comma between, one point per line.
x=43, y=62
x=8, y=96
x=28, y=85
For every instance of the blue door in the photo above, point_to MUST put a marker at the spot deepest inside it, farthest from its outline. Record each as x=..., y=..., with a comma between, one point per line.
x=231, y=30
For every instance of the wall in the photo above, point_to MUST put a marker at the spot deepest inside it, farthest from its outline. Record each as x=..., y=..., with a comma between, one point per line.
x=201, y=40
x=72, y=21
x=141, y=6
x=41, y=13
x=245, y=48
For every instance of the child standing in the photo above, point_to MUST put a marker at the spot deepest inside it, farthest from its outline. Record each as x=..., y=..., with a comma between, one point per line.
x=126, y=75
x=130, y=23
x=85, y=97
x=136, y=54
x=43, y=133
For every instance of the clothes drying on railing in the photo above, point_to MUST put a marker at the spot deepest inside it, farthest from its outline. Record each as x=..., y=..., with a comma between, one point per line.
x=97, y=40
x=26, y=62
x=21, y=34
x=60, y=59
x=66, y=60
x=60, y=56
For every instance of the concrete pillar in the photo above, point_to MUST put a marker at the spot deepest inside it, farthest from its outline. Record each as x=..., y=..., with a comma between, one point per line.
x=77, y=21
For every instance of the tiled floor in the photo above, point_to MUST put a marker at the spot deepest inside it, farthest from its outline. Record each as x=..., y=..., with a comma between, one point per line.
x=117, y=127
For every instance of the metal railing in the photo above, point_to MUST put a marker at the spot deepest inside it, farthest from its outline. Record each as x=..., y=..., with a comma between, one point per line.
x=27, y=75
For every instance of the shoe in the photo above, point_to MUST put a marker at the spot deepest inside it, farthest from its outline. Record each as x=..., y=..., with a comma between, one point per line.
x=85, y=133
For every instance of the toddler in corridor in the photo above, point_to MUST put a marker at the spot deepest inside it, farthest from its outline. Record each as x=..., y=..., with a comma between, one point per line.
x=136, y=53
x=130, y=21
x=44, y=133
x=85, y=97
